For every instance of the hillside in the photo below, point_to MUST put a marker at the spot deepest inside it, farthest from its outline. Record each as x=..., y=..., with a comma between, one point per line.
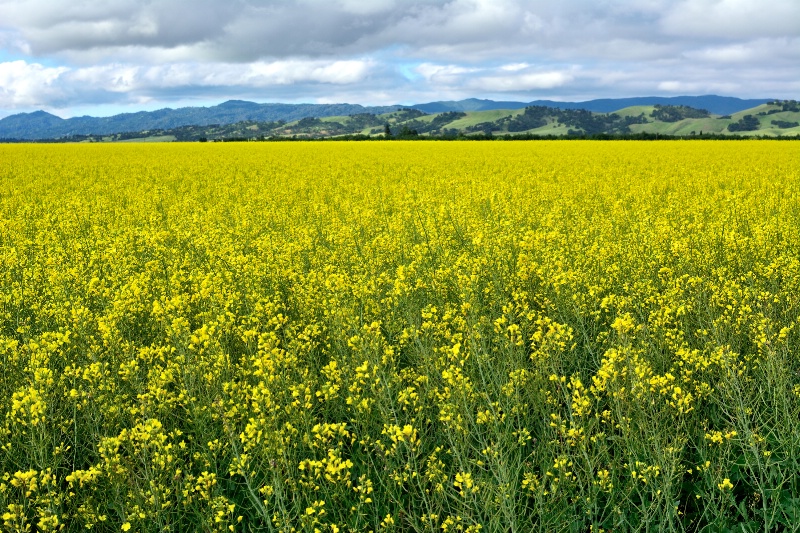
x=41, y=125
x=777, y=118
x=721, y=105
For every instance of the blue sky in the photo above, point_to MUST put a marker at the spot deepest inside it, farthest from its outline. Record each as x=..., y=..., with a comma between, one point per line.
x=75, y=57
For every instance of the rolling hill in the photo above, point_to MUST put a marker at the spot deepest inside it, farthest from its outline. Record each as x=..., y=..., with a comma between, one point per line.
x=42, y=125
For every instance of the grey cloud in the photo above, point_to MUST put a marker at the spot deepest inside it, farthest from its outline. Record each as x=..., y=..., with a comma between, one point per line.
x=53, y=26
x=363, y=50
x=466, y=30
x=733, y=19
x=246, y=30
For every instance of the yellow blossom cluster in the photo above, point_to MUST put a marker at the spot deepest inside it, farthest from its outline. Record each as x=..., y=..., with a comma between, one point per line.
x=348, y=337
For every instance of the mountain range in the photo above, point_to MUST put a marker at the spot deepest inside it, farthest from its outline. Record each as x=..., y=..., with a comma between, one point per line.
x=718, y=105
x=42, y=125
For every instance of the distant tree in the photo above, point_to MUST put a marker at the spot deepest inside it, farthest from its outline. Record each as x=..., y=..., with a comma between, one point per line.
x=674, y=113
x=406, y=132
x=387, y=131
x=791, y=105
x=747, y=123
x=308, y=122
x=783, y=124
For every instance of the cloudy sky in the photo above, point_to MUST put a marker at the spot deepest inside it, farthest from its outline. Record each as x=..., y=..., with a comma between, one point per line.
x=100, y=57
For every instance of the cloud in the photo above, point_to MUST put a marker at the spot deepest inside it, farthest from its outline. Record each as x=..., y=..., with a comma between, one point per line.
x=515, y=77
x=521, y=82
x=32, y=84
x=248, y=30
x=58, y=26
x=436, y=30
x=23, y=84
x=778, y=51
x=12, y=41
x=733, y=19
x=392, y=51
x=443, y=74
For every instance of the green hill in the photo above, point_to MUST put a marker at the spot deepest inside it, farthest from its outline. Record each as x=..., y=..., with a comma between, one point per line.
x=776, y=118
x=635, y=110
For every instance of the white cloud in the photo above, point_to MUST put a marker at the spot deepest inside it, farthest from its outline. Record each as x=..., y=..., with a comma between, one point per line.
x=23, y=84
x=288, y=72
x=443, y=74
x=361, y=7
x=521, y=82
x=519, y=78
x=513, y=67
x=774, y=51
x=671, y=86
x=701, y=87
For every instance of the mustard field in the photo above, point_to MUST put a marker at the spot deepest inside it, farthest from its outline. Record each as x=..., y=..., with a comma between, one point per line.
x=453, y=337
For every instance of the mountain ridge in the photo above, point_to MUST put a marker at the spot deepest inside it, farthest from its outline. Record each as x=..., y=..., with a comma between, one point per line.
x=43, y=125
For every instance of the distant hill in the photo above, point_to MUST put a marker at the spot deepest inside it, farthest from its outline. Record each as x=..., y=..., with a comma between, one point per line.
x=447, y=117
x=775, y=118
x=42, y=125
x=719, y=105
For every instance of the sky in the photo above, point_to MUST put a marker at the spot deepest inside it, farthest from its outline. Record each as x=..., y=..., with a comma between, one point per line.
x=76, y=57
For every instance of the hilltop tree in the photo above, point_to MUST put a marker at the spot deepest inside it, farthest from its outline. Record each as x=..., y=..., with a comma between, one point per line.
x=674, y=113
x=747, y=123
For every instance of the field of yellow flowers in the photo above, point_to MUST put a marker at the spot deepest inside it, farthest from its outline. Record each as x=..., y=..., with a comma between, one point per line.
x=334, y=337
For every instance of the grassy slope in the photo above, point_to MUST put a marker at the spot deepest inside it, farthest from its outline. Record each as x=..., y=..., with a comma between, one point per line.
x=549, y=129
x=476, y=117
x=713, y=124
x=683, y=127
x=635, y=110
x=391, y=118
x=753, y=111
x=767, y=128
x=340, y=119
x=424, y=118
